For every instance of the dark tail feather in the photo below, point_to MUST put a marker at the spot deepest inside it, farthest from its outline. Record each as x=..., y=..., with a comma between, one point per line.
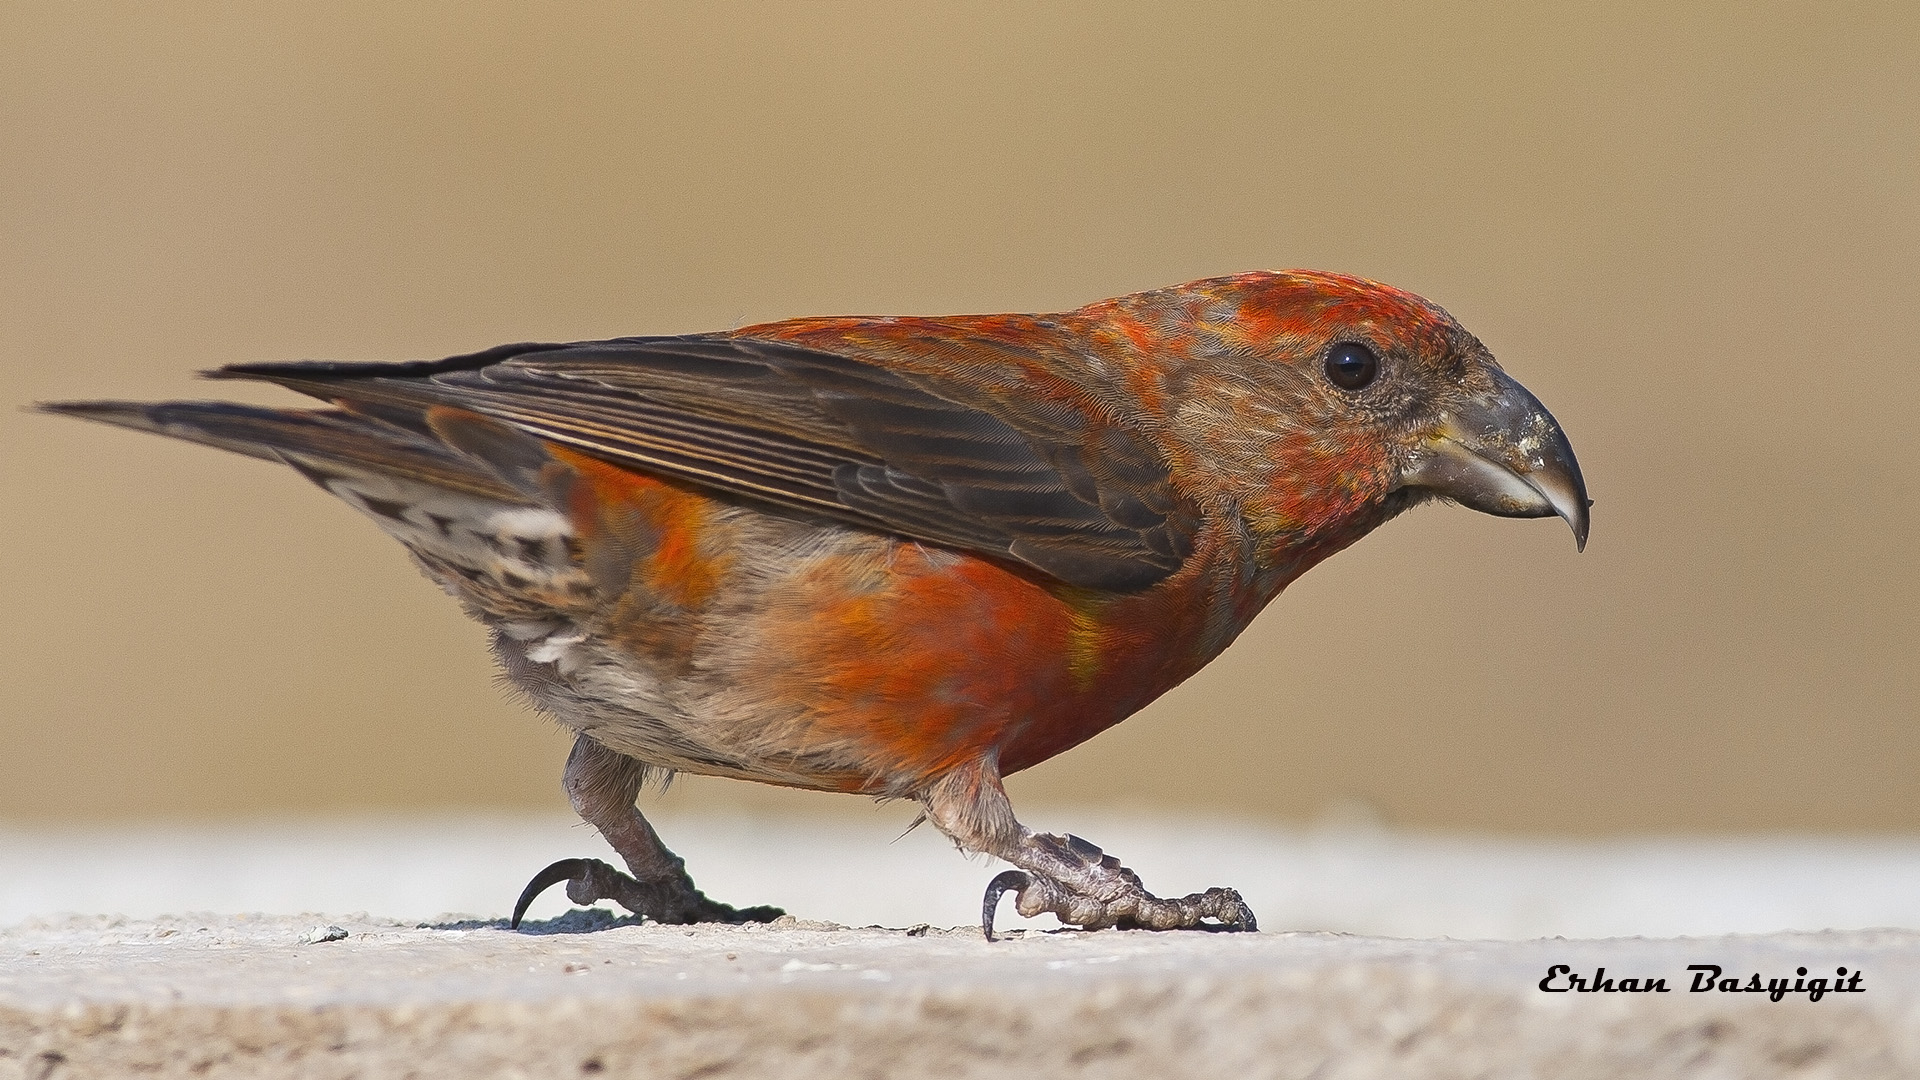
x=310, y=376
x=310, y=440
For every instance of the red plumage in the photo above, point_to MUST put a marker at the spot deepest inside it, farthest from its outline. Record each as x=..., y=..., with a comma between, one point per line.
x=903, y=556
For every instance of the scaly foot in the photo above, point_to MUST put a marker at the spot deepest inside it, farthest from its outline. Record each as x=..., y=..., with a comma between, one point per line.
x=1089, y=889
x=673, y=900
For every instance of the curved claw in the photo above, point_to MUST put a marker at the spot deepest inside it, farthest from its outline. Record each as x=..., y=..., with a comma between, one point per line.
x=1242, y=921
x=1232, y=913
x=1007, y=881
x=564, y=870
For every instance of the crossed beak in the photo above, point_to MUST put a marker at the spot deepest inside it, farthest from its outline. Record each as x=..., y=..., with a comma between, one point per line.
x=1503, y=453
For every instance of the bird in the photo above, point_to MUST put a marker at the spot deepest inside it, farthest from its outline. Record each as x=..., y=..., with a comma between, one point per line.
x=904, y=556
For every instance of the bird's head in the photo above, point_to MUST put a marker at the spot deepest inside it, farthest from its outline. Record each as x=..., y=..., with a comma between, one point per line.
x=1329, y=403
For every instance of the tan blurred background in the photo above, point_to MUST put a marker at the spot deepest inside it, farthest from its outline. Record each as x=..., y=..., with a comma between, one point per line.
x=1693, y=231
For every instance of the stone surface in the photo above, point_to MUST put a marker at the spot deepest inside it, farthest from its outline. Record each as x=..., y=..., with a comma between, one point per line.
x=1352, y=876
x=586, y=995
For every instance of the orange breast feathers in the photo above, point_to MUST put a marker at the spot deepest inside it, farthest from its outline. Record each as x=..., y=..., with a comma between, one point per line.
x=943, y=659
x=902, y=660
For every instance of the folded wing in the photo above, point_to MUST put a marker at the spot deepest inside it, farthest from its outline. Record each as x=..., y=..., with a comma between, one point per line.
x=1078, y=497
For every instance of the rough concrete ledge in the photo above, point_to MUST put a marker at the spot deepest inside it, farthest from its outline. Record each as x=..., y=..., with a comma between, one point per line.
x=585, y=995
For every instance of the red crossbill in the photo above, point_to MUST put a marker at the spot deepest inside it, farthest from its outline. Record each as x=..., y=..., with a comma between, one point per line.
x=901, y=557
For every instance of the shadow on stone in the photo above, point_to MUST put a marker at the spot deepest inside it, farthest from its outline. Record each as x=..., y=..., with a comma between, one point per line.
x=576, y=921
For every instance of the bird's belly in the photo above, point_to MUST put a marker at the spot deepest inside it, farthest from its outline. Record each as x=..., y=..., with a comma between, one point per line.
x=832, y=658
x=727, y=640
x=898, y=662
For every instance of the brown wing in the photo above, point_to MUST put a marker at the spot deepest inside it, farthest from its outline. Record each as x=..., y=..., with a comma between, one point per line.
x=1082, y=499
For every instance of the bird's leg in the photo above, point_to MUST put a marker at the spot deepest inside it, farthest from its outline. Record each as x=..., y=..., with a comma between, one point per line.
x=602, y=786
x=1063, y=874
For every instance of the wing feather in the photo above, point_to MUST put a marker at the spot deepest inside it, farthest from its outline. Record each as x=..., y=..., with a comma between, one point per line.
x=1076, y=496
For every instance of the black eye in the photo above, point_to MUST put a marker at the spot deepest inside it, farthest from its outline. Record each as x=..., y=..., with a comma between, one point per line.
x=1352, y=366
